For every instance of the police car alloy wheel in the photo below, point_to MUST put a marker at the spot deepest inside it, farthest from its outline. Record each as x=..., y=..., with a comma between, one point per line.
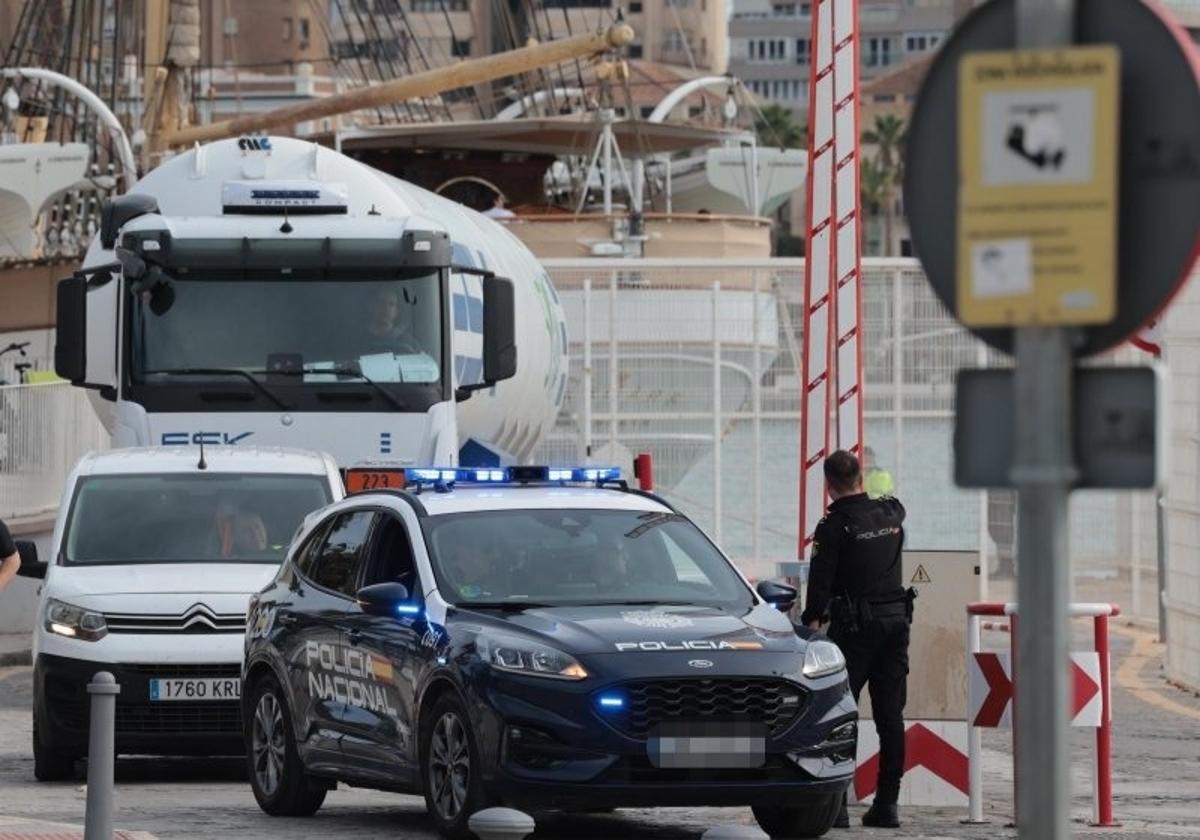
x=453, y=788
x=814, y=820
x=49, y=766
x=280, y=785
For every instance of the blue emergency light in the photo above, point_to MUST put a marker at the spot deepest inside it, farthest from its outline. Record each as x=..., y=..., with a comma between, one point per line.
x=444, y=476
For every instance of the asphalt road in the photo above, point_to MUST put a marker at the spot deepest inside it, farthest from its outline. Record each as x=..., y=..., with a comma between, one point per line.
x=1157, y=782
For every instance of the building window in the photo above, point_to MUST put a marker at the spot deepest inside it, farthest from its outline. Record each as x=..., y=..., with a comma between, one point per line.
x=460, y=47
x=673, y=42
x=878, y=52
x=635, y=8
x=805, y=9
x=784, y=10
x=802, y=50
x=304, y=31
x=635, y=50
x=287, y=29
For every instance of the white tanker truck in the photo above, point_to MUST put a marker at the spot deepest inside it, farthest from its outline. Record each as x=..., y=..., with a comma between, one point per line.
x=268, y=290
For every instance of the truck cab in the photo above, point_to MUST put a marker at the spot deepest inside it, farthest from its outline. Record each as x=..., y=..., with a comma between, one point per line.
x=282, y=294
x=156, y=553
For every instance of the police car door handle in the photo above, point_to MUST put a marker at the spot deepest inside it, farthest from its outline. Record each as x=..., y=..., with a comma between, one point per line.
x=285, y=618
x=355, y=636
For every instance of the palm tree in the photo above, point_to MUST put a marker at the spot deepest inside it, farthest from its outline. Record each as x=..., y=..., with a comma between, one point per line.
x=777, y=127
x=888, y=136
x=874, y=187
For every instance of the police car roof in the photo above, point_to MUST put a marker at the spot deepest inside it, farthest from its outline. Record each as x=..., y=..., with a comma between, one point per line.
x=218, y=459
x=470, y=498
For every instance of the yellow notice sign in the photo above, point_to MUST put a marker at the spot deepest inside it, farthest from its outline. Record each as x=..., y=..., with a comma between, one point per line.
x=1037, y=201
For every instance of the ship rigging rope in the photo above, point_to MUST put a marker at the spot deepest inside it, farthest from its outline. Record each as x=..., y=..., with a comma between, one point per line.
x=358, y=53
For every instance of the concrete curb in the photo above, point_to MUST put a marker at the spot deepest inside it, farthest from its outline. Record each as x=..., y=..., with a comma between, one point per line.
x=15, y=658
x=20, y=828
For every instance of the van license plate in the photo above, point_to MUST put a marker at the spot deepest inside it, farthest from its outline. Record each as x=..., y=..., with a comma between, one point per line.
x=203, y=688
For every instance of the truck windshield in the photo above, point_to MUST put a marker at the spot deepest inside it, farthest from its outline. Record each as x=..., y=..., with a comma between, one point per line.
x=174, y=518
x=579, y=557
x=355, y=332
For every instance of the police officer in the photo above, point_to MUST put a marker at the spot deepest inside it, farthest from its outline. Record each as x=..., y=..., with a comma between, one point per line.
x=855, y=583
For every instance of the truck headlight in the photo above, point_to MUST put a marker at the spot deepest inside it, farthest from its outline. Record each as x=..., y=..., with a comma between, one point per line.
x=525, y=656
x=823, y=658
x=65, y=619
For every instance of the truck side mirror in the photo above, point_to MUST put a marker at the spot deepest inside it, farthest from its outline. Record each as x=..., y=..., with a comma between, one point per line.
x=70, y=339
x=499, y=330
x=117, y=211
x=30, y=566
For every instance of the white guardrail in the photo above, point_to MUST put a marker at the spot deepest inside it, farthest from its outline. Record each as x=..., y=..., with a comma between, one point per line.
x=44, y=430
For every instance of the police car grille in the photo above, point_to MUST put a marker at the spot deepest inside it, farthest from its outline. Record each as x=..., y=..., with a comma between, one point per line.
x=773, y=703
x=220, y=717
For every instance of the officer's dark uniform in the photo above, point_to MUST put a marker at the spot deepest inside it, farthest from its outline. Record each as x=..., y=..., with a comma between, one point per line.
x=855, y=579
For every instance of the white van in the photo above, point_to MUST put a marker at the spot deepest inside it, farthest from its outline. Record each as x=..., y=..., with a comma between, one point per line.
x=156, y=554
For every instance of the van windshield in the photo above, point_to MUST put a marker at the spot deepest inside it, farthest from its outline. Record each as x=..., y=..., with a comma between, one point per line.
x=189, y=518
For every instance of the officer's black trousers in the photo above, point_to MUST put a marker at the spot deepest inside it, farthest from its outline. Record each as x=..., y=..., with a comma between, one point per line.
x=877, y=656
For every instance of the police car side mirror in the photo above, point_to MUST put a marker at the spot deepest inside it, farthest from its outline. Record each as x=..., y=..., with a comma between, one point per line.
x=779, y=595
x=385, y=599
x=30, y=566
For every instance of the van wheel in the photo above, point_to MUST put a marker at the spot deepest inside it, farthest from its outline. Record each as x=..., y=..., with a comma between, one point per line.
x=451, y=769
x=49, y=766
x=277, y=775
x=813, y=819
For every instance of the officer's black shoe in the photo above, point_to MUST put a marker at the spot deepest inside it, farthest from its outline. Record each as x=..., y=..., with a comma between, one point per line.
x=882, y=816
x=843, y=817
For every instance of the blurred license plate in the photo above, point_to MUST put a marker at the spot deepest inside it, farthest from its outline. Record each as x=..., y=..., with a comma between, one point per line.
x=199, y=688
x=708, y=746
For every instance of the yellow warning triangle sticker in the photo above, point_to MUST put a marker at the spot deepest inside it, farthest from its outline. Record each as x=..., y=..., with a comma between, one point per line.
x=920, y=575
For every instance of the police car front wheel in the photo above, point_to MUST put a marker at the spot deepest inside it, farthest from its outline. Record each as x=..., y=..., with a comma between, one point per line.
x=277, y=775
x=452, y=781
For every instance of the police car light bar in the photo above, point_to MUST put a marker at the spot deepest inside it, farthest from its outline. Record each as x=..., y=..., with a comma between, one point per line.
x=509, y=475
x=278, y=197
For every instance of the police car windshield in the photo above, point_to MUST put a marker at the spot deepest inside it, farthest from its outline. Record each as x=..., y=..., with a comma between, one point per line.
x=188, y=518
x=579, y=557
x=345, y=331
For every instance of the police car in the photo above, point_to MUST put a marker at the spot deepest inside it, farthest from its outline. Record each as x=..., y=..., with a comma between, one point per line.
x=543, y=638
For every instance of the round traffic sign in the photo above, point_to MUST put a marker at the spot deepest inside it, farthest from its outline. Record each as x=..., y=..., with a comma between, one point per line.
x=1159, y=159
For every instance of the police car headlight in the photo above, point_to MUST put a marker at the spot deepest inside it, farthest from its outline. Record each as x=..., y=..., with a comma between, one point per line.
x=74, y=622
x=525, y=656
x=822, y=659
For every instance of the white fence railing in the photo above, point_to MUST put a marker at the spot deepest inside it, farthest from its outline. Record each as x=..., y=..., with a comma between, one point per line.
x=44, y=430
x=696, y=361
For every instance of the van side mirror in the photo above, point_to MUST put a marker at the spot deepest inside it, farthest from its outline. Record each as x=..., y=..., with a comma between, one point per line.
x=117, y=211
x=30, y=566
x=499, y=330
x=70, y=338
x=779, y=595
x=386, y=599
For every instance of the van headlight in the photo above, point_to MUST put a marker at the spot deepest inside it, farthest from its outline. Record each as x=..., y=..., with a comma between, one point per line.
x=74, y=622
x=823, y=658
x=525, y=656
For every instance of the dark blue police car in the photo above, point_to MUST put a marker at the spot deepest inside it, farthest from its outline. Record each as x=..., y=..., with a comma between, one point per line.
x=539, y=638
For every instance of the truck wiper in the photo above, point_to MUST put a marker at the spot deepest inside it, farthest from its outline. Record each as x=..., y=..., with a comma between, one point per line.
x=241, y=374
x=344, y=370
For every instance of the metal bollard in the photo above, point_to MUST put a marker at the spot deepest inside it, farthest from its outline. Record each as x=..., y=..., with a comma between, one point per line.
x=101, y=756
x=500, y=824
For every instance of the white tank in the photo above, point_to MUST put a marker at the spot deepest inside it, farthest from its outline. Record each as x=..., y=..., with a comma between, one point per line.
x=510, y=417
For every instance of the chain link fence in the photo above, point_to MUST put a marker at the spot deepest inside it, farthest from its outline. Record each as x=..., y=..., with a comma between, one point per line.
x=697, y=362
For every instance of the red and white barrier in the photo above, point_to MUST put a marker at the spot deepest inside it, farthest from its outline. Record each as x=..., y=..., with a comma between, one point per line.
x=991, y=693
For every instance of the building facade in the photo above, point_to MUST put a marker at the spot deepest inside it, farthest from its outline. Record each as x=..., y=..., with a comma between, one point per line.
x=770, y=42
